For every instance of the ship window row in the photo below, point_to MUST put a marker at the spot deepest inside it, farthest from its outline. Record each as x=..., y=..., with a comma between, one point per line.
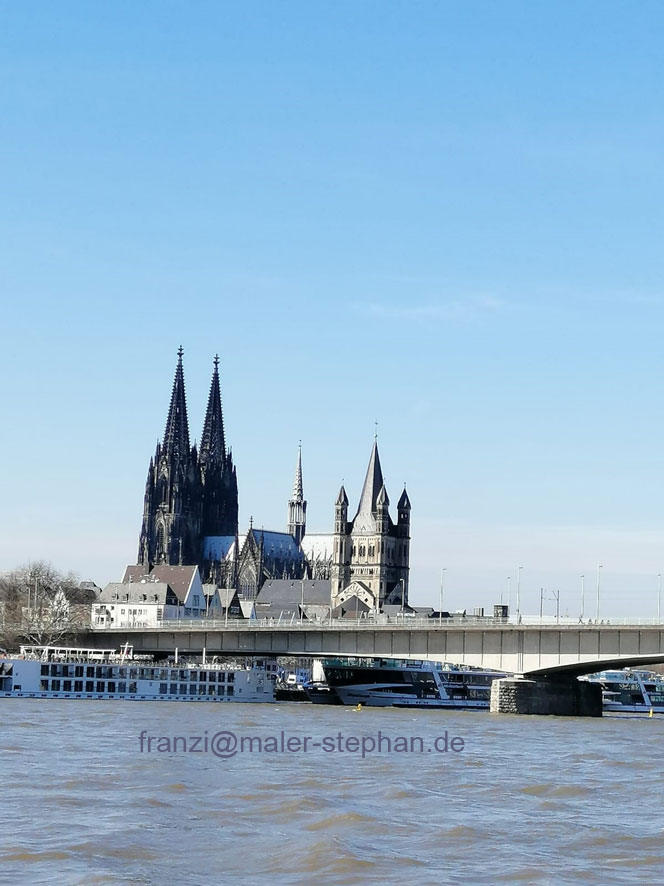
x=124, y=687
x=105, y=672
x=88, y=686
x=193, y=689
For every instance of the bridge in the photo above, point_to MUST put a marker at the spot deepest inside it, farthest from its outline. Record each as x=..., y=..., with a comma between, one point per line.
x=533, y=648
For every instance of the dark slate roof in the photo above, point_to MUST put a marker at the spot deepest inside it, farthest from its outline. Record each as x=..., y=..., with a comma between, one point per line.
x=277, y=610
x=289, y=592
x=342, y=498
x=373, y=483
x=136, y=592
x=280, y=545
x=351, y=608
x=215, y=547
x=395, y=609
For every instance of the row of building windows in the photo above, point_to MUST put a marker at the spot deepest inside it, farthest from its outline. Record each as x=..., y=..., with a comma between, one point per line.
x=122, y=687
x=391, y=554
x=105, y=672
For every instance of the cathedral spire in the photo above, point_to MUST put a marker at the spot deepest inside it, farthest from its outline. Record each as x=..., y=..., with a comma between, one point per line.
x=373, y=483
x=220, y=504
x=171, y=512
x=297, y=485
x=297, y=506
x=176, y=435
x=213, y=441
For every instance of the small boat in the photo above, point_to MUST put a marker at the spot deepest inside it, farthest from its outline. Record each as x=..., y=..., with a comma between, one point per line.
x=64, y=672
x=320, y=693
x=317, y=688
x=408, y=684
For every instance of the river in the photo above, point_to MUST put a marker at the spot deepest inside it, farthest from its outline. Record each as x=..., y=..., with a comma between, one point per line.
x=120, y=792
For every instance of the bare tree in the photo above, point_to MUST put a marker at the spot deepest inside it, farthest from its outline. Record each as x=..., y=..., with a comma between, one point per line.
x=41, y=606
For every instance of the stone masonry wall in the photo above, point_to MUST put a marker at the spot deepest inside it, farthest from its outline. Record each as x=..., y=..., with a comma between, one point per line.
x=562, y=698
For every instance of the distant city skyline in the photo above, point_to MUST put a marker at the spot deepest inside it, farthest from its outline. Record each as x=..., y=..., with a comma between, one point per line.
x=444, y=219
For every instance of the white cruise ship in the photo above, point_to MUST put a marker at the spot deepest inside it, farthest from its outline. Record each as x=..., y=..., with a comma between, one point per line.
x=405, y=683
x=59, y=672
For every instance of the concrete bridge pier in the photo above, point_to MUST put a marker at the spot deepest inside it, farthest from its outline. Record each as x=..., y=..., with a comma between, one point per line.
x=561, y=697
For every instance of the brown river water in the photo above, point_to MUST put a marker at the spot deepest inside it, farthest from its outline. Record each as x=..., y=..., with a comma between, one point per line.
x=233, y=794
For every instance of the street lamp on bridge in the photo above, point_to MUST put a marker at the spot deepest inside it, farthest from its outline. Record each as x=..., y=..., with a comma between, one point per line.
x=442, y=588
x=583, y=597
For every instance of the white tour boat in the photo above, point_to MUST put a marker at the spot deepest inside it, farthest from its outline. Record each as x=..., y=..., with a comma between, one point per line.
x=59, y=672
x=384, y=682
x=630, y=691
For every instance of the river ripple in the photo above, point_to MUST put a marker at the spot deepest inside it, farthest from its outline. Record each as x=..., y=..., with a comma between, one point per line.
x=528, y=800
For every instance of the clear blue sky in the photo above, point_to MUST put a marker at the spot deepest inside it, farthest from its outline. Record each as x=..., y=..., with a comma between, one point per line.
x=443, y=216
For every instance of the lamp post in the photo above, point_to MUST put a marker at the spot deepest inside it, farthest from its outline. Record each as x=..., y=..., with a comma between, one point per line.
x=518, y=592
x=442, y=588
x=659, y=596
x=509, y=584
x=583, y=597
x=599, y=574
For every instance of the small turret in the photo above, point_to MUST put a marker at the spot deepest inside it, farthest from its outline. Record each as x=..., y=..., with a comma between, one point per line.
x=382, y=512
x=341, y=512
x=403, y=514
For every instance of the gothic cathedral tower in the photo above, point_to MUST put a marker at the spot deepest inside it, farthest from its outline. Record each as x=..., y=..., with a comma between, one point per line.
x=172, y=505
x=188, y=496
x=218, y=476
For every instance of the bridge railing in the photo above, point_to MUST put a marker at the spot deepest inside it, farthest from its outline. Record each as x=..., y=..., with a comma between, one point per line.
x=379, y=623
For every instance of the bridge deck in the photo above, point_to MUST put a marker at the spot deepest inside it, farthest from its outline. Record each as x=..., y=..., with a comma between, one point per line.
x=523, y=648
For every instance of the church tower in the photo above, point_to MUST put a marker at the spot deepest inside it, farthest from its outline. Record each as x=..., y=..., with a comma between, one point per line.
x=218, y=475
x=403, y=536
x=340, y=566
x=371, y=554
x=172, y=512
x=297, y=506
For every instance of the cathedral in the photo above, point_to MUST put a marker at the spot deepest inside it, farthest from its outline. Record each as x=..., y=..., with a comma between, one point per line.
x=190, y=517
